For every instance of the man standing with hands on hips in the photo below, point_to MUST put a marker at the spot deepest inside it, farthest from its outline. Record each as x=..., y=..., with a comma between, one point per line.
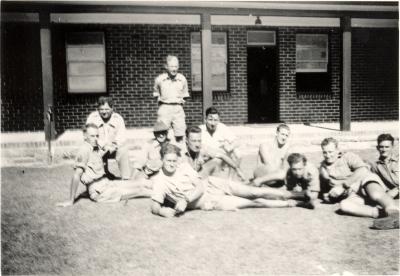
x=171, y=88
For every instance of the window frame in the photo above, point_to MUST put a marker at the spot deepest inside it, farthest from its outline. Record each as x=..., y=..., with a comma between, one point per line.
x=103, y=60
x=261, y=43
x=226, y=61
x=326, y=60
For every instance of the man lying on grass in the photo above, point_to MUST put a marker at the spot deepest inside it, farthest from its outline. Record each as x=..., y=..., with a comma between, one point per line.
x=181, y=186
x=89, y=173
x=360, y=192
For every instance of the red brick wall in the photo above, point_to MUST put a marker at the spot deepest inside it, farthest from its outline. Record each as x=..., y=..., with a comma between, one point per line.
x=375, y=90
x=313, y=106
x=21, y=80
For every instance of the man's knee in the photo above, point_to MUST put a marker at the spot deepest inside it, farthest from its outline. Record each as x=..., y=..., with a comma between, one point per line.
x=346, y=206
x=374, y=191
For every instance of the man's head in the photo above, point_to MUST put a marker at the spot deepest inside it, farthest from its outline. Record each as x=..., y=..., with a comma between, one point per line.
x=297, y=163
x=385, y=145
x=330, y=150
x=160, y=131
x=105, y=107
x=91, y=134
x=212, y=119
x=169, y=156
x=193, y=138
x=172, y=65
x=282, y=134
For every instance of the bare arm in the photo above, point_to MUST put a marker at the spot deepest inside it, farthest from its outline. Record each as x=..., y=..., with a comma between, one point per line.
x=231, y=163
x=274, y=176
x=263, y=153
x=166, y=212
x=393, y=192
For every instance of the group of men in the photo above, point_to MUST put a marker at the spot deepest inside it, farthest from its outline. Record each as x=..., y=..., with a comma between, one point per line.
x=197, y=168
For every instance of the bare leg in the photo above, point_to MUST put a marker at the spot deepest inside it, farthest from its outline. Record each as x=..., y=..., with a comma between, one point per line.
x=250, y=192
x=122, y=157
x=230, y=203
x=377, y=194
x=356, y=207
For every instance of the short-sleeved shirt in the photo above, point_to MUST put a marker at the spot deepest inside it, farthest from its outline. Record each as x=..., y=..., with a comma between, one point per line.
x=90, y=160
x=344, y=166
x=110, y=132
x=174, y=187
x=217, y=140
x=170, y=90
x=388, y=171
x=277, y=155
x=199, y=159
x=309, y=181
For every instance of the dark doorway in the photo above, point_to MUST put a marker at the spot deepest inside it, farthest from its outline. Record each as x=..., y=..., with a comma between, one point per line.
x=262, y=84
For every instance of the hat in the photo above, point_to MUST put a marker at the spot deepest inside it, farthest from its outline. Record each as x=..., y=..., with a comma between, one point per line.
x=154, y=164
x=160, y=126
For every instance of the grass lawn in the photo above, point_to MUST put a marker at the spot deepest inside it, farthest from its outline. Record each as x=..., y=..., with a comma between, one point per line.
x=89, y=238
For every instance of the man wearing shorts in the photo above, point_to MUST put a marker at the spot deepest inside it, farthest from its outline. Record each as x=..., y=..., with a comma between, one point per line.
x=89, y=173
x=360, y=192
x=272, y=157
x=171, y=88
x=111, y=128
x=387, y=166
x=179, y=184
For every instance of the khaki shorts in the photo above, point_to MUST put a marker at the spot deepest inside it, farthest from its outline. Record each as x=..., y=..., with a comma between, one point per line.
x=217, y=190
x=104, y=191
x=173, y=115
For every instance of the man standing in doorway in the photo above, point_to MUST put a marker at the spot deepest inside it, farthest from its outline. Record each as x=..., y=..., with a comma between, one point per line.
x=112, y=138
x=171, y=88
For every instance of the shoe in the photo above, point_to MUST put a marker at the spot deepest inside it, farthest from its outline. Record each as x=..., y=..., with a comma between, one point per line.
x=391, y=221
x=308, y=204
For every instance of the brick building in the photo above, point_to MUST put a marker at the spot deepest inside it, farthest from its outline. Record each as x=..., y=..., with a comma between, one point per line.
x=257, y=62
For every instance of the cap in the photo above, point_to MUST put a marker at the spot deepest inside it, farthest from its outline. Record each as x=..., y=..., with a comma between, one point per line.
x=154, y=164
x=160, y=126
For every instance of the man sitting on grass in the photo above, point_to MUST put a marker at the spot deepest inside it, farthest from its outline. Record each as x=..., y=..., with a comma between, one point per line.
x=360, y=192
x=272, y=157
x=89, y=171
x=182, y=186
x=216, y=136
x=207, y=161
x=387, y=166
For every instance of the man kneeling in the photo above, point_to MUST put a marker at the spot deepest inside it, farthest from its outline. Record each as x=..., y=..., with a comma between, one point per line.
x=182, y=186
x=89, y=172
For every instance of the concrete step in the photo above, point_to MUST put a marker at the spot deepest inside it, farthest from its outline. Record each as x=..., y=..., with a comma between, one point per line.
x=30, y=148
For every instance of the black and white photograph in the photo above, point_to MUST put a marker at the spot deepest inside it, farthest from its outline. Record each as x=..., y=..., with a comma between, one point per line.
x=199, y=137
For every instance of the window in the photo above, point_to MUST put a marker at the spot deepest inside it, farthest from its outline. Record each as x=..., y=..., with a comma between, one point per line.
x=312, y=74
x=261, y=38
x=86, y=64
x=311, y=53
x=219, y=61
